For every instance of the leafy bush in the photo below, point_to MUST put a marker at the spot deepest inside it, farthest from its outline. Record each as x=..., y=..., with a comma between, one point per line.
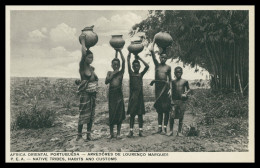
x=219, y=104
x=34, y=117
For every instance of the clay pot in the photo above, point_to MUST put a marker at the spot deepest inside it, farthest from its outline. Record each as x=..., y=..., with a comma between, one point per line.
x=117, y=41
x=89, y=36
x=135, y=47
x=163, y=39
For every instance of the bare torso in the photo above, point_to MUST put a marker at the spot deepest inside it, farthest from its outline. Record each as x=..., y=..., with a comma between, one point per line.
x=162, y=72
x=179, y=87
x=136, y=81
x=88, y=74
x=116, y=80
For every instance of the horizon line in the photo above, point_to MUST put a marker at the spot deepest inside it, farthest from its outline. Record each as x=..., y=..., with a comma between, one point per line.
x=74, y=77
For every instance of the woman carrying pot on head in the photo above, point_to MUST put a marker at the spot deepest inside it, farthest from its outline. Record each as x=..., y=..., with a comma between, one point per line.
x=87, y=90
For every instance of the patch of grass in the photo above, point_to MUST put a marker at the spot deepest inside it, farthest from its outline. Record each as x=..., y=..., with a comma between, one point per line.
x=237, y=126
x=218, y=104
x=34, y=117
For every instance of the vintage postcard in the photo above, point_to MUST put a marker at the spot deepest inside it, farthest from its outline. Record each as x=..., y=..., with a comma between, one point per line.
x=130, y=84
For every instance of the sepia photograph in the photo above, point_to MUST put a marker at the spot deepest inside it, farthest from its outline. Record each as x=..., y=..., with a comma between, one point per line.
x=133, y=81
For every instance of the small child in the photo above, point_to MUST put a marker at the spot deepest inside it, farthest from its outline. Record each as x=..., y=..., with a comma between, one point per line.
x=136, y=99
x=115, y=95
x=180, y=89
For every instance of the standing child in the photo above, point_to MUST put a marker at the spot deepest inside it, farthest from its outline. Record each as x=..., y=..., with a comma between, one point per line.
x=163, y=84
x=136, y=99
x=115, y=97
x=180, y=89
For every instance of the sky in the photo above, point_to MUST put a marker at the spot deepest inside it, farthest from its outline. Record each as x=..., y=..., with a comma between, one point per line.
x=45, y=43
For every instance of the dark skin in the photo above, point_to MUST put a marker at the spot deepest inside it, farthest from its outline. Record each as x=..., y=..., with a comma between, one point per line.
x=180, y=91
x=88, y=59
x=87, y=69
x=182, y=85
x=83, y=48
x=163, y=73
x=85, y=74
x=114, y=79
x=136, y=66
x=162, y=70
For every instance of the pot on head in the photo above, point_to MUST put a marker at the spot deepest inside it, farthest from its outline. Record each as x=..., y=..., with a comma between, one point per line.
x=117, y=42
x=89, y=37
x=163, y=39
x=136, y=47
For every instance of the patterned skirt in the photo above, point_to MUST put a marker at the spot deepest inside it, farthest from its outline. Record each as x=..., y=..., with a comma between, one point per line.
x=87, y=107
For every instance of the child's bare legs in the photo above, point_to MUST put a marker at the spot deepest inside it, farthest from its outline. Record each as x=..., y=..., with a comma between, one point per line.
x=111, y=131
x=80, y=127
x=160, y=120
x=171, y=127
x=180, y=126
x=132, y=122
x=140, y=121
x=118, y=130
x=165, y=123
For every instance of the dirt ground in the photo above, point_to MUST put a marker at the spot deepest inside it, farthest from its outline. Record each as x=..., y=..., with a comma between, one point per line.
x=62, y=136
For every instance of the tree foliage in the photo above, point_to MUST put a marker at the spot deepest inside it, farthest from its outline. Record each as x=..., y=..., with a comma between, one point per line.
x=216, y=40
